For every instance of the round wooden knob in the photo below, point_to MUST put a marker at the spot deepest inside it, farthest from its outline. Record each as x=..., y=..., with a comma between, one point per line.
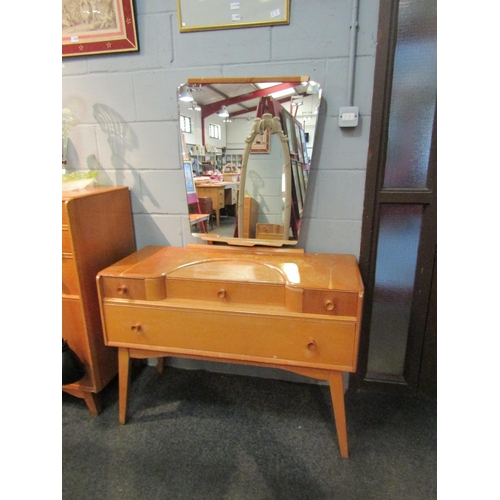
x=329, y=305
x=221, y=293
x=311, y=345
x=136, y=328
x=122, y=289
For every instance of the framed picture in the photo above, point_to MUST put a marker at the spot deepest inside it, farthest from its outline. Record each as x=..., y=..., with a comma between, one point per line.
x=290, y=131
x=299, y=143
x=261, y=143
x=87, y=30
x=296, y=183
x=303, y=138
x=185, y=152
x=189, y=179
x=194, y=15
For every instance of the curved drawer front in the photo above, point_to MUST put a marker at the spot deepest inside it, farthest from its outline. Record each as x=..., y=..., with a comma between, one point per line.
x=287, y=340
x=133, y=288
x=226, y=292
x=330, y=302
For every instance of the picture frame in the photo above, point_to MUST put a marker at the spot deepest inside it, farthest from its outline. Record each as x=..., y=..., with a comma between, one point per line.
x=86, y=31
x=297, y=187
x=304, y=145
x=299, y=143
x=189, y=179
x=194, y=15
x=289, y=127
x=261, y=146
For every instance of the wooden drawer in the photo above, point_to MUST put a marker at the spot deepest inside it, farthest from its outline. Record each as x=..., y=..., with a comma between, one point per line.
x=220, y=197
x=135, y=289
x=231, y=196
x=64, y=214
x=226, y=291
x=280, y=339
x=69, y=275
x=330, y=302
x=67, y=246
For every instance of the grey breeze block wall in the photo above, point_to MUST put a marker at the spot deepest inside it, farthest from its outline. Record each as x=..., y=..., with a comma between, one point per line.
x=127, y=107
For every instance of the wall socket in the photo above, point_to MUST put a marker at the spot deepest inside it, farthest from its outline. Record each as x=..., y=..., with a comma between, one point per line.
x=348, y=116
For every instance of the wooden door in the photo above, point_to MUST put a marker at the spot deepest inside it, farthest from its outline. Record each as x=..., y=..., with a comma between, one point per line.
x=398, y=248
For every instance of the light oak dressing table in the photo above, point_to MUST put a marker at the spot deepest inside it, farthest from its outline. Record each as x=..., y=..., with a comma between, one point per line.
x=271, y=307
x=251, y=301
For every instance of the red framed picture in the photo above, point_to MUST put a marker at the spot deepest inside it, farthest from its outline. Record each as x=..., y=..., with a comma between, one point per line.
x=103, y=27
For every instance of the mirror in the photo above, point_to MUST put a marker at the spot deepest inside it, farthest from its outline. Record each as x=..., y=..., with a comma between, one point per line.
x=248, y=143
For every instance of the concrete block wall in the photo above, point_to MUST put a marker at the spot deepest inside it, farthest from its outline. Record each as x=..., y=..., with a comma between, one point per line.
x=127, y=107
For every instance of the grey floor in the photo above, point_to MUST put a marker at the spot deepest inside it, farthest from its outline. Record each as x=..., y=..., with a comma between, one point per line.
x=195, y=434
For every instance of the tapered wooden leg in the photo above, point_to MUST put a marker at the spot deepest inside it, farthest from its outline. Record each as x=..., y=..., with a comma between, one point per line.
x=337, y=392
x=159, y=365
x=92, y=402
x=123, y=382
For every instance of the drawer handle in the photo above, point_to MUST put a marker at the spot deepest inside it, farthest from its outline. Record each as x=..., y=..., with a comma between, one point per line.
x=329, y=305
x=136, y=328
x=221, y=293
x=122, y=289
x=311, y=345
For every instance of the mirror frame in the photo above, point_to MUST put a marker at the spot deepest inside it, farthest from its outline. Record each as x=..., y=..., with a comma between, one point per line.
x=273, y=124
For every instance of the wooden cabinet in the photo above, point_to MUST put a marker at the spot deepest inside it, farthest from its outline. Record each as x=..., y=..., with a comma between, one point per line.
x=97, y=230
x=278, y=308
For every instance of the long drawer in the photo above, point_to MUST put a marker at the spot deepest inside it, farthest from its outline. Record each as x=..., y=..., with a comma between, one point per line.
x=287, y=339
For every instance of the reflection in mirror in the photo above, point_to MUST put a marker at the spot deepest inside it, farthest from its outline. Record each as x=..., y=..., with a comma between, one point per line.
x=265, y=183
x=216, y=117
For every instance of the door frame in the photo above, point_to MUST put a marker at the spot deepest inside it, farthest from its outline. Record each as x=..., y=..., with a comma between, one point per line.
x=375, y=196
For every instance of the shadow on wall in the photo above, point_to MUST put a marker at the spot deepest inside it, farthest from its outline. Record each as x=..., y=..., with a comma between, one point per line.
x=121, y=138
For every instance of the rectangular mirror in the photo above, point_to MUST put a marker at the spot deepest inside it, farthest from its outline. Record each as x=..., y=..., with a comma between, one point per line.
x=249, y=144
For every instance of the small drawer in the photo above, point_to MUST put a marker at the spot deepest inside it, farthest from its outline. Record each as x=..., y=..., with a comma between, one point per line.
x=65, y=218
x=67, y=246
x=134, y=289
x=226, y=292
x=330, y=302
x=69, y=275
x=221, y=198
x=231, y=196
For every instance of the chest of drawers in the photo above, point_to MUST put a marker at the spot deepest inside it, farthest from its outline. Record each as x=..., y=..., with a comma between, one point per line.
x=266, y=307
x=97, y=230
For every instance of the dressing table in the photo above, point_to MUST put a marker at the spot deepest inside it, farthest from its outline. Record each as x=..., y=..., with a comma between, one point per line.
x=247, y=301
x=271, y=307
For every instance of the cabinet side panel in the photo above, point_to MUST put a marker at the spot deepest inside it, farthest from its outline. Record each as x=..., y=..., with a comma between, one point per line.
x=102, y=233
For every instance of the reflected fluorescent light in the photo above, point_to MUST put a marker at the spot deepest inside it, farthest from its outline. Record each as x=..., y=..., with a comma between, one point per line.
x=280, y=93
x=223, y=113
x=185, y=94
x=283, y=93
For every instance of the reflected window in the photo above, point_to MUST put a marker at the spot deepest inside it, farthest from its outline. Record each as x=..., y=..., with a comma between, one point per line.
x=185, y=124
x=214, y=131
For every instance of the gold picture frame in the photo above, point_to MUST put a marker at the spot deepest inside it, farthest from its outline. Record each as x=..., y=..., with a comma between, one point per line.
x=196, y=15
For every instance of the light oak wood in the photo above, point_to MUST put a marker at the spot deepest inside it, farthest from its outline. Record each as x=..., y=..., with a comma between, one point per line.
x=252, y=79
x=97, y=230
x=272, y=307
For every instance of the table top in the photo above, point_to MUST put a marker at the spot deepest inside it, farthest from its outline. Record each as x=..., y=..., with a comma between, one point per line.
x=264, y=265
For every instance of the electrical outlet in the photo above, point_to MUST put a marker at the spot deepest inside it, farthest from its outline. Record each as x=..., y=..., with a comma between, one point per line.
x=348, y=116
